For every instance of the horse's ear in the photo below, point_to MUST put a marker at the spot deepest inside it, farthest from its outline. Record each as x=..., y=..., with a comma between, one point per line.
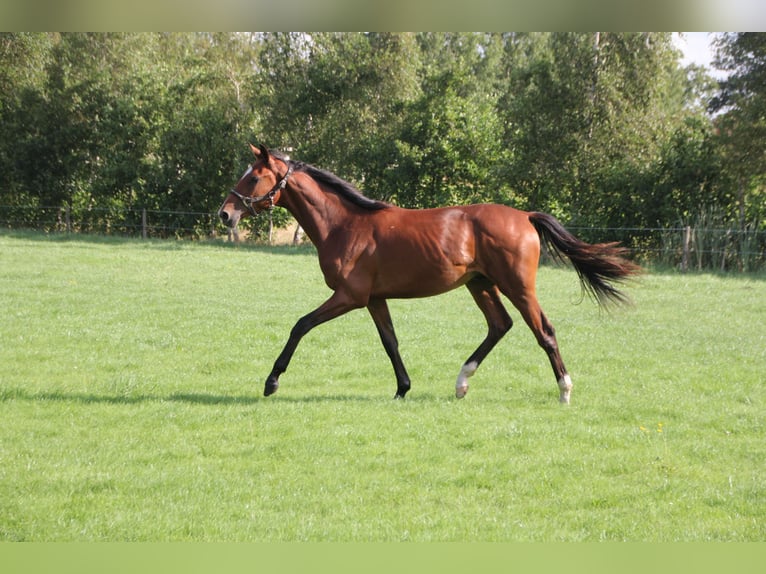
x=260, y=152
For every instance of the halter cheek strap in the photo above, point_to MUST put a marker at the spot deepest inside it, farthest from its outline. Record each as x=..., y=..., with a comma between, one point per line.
x=249, y=202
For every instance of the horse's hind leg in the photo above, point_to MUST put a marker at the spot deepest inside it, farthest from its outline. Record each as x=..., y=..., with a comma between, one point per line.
x=526, y=302
x=487, y=298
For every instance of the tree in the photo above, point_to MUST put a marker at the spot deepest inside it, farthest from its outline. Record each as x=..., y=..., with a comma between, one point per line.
x=449, y=144
x=23, y=61
x=116, y=121
x=741, y=123
x=335, y=99
x=587, y=117
x=600, y=129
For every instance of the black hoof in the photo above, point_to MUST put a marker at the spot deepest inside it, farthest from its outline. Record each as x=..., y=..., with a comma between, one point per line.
x=270, y=388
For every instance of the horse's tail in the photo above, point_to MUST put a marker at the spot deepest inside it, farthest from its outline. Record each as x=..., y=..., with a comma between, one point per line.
x=598, y=265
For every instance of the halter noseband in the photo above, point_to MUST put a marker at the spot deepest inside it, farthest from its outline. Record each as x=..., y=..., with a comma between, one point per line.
x=248, y=202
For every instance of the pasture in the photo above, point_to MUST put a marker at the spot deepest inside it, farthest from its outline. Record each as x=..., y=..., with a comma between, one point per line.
x=131, y=379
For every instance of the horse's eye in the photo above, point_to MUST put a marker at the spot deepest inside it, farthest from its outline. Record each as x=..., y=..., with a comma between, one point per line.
x=253, y=180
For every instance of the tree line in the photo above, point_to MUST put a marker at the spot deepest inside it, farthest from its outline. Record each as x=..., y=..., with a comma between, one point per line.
x=599, y=129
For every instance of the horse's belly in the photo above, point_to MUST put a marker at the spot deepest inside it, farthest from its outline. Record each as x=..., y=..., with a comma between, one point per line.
x=430, y=253
x=416, y=278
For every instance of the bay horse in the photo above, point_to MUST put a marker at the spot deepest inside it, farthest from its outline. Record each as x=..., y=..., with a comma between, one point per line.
x=370, y=251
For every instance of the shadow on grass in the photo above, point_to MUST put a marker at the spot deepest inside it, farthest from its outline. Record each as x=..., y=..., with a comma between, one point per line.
x=208, y=399
x=8, y=395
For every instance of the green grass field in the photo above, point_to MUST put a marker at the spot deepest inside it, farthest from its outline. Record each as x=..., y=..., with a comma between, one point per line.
x=131, y=376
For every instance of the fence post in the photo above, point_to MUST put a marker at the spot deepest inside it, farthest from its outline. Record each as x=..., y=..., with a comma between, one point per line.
x=725, y=244
x=685, y=255
x=143, y=223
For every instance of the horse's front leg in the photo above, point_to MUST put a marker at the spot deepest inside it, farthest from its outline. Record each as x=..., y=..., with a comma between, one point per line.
x=335, y=306
x=378, y=309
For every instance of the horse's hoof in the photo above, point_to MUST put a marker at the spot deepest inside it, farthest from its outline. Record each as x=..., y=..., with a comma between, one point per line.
x=466, y=371
x=270, y=388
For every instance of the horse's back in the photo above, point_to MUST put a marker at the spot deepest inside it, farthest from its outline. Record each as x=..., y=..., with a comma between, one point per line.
x=459, y=231
x=424, y=252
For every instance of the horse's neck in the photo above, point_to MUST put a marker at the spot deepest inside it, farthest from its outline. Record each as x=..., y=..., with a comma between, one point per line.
x=317, y=212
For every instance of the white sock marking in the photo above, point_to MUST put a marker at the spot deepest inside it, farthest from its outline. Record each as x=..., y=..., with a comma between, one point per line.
x=461, y=386
x=565, y=388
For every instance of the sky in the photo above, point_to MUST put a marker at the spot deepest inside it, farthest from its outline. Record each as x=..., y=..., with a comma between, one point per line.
x=697, y=48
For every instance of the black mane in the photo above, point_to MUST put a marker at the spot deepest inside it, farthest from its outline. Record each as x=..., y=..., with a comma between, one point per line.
x=336, y=184
x=340, y=186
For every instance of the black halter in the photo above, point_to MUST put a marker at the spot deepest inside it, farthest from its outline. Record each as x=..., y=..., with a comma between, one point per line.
x=249, y=202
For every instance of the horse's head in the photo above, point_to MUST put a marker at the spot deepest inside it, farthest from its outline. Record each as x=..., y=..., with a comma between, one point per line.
x=258, y=189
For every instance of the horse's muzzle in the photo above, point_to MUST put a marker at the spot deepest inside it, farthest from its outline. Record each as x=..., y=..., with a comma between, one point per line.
x=227, y=219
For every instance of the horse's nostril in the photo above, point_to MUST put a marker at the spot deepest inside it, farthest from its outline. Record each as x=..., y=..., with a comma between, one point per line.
x=224, y=216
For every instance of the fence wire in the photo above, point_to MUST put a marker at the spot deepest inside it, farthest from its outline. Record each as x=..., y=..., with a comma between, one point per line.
x=686, y=247
x=146, y=223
